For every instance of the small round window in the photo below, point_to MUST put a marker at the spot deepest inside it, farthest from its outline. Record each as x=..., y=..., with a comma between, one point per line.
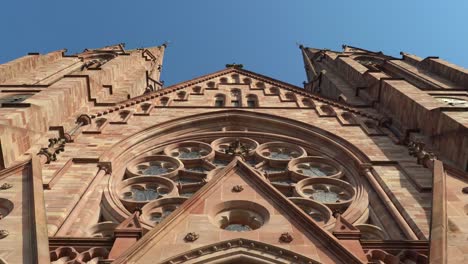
x=240, y=216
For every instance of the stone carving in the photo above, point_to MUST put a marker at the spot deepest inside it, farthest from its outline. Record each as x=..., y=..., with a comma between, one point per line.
x=3, y=233
x=286, y=238
x=190, y=237
x=237, y=188
x=416, y=149
x=236, y=148
x=91, y=255
x=105, y=166
x=6, y=186
x=56, y=145
x=256, y=248
x=235, y=65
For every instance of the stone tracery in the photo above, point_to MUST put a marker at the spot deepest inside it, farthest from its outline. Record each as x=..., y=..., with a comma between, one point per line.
x=174, y=172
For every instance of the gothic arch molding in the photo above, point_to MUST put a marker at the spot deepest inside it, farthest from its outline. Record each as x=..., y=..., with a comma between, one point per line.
x=203, y=126
x=240, y=251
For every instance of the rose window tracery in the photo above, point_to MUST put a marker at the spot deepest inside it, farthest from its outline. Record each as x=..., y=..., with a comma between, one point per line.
x=160, y=180
x=280, y=151
x=189, y=150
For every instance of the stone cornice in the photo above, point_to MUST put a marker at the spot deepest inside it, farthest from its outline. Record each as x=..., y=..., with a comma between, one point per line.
x=254, y=247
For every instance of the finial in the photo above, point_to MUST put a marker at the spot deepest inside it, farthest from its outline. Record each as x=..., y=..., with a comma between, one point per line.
x=166, y=43
x=236, y=148
x=235, y=65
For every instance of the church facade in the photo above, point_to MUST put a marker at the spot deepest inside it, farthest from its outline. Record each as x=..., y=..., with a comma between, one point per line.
x=101, y=163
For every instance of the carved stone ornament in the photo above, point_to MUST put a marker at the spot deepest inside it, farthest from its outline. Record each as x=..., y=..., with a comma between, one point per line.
x=56, y=145
x=190, y=237
x=237, y=188
x=5, y=186
x=236, y=148
x=416, y=149
x=105, y=166
x=286, y=238
x=3, y=233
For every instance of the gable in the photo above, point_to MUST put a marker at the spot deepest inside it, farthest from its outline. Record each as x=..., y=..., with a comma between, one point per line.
x=237, y=89
x=260, y=211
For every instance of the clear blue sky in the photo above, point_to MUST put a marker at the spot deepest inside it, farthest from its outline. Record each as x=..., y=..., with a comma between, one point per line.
x=261, y=34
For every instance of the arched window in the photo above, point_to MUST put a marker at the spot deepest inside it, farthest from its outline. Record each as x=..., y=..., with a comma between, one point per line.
x=220, y=100
x=308, y=103
x=100, y=122
x=223, y=80
x=236, y=97
x=124, y=114
x=235, y=78
x=247, y=80
x=252, y=100
x=274, y=90
x=181, y=95
x=211, y=85
x=164, y=101
x=145, y=107
x=290, y=96
x=197, y=89
x=260, y=85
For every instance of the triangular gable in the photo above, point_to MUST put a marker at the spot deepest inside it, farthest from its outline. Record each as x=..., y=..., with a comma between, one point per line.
x=196, y=223
x=131, y=224
x=284, y=88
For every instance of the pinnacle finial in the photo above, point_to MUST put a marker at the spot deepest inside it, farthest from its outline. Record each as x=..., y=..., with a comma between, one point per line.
x=235, y=65
x=166, y=43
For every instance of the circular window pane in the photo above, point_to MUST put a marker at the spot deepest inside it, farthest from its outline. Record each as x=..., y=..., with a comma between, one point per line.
x=240, y=216
x=190, y=150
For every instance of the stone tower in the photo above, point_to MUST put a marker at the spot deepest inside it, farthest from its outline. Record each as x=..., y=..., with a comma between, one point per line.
x=100, y=163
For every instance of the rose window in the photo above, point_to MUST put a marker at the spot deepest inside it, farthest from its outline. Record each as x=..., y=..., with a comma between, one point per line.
x=279, y=151
x=142, y=193
x=189, y=150
x=222, y=145
x=157, y=217
x=155, y=212
x=156, y=165
x=326, y=193
x=316, y=170
x=156, y=168
x=331, y=192
x=169, y=175
x=311, y=167
x=317, y=211
x=281, y=154
x=269, y=169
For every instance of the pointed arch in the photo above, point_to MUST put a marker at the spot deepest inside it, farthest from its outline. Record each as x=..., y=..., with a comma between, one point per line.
x=207, y=125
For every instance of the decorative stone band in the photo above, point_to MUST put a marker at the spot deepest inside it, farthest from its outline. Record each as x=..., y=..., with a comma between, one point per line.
x=266, y=250
x=73, y=256
x=170, y=89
